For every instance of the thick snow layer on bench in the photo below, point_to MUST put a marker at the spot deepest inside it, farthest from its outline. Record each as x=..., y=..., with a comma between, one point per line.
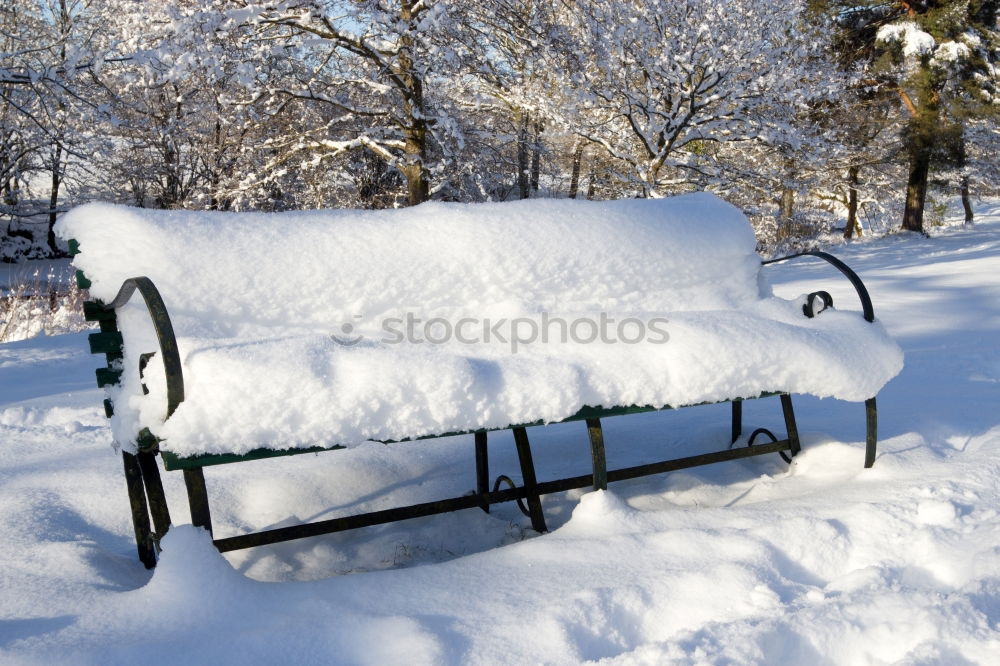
x=230, y=272
x=264, y=304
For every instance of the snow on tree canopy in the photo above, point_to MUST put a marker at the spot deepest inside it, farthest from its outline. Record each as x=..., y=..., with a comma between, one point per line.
x=914, y=40
x=339, y=326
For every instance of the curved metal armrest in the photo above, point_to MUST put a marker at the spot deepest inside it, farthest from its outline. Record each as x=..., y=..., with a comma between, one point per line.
x=871, y=411
x=164, y=334
x=859, y=286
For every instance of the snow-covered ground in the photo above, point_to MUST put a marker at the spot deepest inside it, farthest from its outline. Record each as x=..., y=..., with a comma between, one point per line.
x=745, y=562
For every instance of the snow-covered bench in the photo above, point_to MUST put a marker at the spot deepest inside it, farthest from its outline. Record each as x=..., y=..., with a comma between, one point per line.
x=304, y=331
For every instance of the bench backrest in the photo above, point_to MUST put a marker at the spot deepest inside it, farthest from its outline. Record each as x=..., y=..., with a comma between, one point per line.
x=232, y=273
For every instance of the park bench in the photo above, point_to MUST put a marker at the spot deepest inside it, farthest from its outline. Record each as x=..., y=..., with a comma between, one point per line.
x=311, y=331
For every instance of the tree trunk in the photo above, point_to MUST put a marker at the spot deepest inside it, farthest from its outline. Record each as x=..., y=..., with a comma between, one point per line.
x=916, y=191
x=57, y=170
x=417, y=184
x=536, y=155
x=215, y=176
x=574, y=180
x=10, y=191
x=170, y=195
x=523, y=185
x=963, y=163
x=966, y=200
x=415, y=133
x=173, y=158
x=591, y=182
x=852, y=203
x=54, y=198
x=417, y=187
x=786, y=202
x=924, y=133
x=787, y=209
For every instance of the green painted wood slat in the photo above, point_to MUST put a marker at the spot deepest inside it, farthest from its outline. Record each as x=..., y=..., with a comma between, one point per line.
x=108, y=342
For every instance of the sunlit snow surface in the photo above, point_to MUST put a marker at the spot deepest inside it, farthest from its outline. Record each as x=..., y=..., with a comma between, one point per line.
x=745, y=562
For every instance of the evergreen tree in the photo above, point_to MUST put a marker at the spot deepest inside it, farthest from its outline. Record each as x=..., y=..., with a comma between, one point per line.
x=937, y=57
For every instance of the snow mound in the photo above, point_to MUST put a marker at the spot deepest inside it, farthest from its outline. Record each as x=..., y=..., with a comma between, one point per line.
x=342, y=326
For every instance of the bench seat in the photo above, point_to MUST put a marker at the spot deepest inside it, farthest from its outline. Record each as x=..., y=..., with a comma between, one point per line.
x=236, y=390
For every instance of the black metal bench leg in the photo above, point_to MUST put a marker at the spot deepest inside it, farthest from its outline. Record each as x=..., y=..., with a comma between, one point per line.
x=530, y=482
x=154, y=493
x=482, y=471
x=790, y=427
x=140, y=512
x=597, y=456
x=871, y=440
x=194, y=479
x=737, y=427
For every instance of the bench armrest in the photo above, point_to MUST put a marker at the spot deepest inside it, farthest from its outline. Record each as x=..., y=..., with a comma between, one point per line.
x=859, y=286
x=164, y=334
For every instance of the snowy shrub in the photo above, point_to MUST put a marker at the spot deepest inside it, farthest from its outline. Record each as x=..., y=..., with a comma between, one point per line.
x=40, y=304
x=18, y=245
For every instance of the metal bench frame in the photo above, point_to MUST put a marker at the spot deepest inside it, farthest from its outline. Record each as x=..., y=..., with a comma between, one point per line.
x=148, y=500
